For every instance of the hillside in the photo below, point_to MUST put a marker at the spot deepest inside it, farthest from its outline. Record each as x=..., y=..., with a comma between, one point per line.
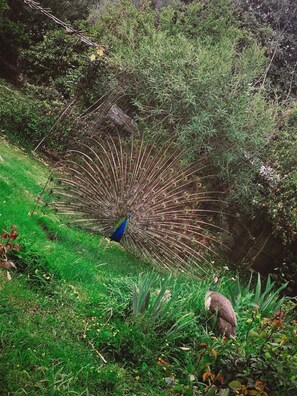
x=68, y=327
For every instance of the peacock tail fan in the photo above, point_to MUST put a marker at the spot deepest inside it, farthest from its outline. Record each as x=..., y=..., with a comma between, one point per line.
x=142, y=195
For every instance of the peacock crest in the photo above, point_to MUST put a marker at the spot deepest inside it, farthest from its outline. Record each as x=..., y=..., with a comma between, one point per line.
x=141, y=195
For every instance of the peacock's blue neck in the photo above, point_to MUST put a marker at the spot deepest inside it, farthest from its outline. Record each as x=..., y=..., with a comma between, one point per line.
x=120, y=230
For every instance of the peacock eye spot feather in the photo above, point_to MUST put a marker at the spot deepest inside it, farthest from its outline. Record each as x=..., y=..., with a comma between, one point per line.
x=101, y=184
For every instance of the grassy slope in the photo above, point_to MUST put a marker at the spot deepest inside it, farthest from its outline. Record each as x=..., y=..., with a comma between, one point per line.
x=41, y=347
x=69, y=303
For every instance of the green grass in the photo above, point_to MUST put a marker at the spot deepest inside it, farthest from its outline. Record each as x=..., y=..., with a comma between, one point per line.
x=67, y=325
x=41, y=322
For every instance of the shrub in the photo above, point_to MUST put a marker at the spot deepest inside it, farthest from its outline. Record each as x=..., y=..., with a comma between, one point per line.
x=280, y=199
x=54, y=61
x=22, y=117
x=202, y=92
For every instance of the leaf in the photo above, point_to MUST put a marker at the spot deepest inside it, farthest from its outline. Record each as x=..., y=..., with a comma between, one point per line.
x=220, y=378
x=8, y=276
x=185, y=348
x=13, y=235
x=2, y=248
x=259, y=385
x=224, y=392
x=214, y=353
x=211, y=391
x=169, y=381
x=7, y=264
x=192, y=377
x=163, y=362
x=235, y=385
x=100, y=51
x=206, y=375
x=12, y=264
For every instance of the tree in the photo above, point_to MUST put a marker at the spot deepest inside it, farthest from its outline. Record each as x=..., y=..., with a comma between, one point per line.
x=274, y=24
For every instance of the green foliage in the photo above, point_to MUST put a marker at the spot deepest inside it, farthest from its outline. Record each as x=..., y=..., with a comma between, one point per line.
x=143, y=301
x=54, y=61
x=269, y=340
x=36, y=270
x=57, y=61
x=71, y=10
x=281, y=201
x=200, y=91
x=22, y=117
x=273, y=23
x=267, y=299
x=19, y=28
x=159, y=305
x=61, y=63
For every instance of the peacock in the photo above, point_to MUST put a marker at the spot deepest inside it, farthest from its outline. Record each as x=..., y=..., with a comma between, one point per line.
x=220, y=306
x=141, y=195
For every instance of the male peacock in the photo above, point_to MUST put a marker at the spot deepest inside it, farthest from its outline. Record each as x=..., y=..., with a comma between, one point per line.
x=141, y=195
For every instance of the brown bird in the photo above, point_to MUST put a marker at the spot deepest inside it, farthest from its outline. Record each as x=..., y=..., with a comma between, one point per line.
x=221, y=306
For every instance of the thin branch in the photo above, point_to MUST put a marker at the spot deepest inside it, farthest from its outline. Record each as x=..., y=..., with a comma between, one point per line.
x=69, y=29
x=65, y=110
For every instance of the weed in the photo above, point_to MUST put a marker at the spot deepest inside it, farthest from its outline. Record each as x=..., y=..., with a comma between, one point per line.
x=267, y=299
x=8, y=246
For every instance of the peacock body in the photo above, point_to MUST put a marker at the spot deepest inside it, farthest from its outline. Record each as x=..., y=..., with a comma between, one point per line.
x=141, y=195
x=222, y=308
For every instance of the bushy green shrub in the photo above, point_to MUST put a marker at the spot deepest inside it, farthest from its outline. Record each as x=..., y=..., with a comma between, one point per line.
x=281, y=198
x=22, y=117
x=200, y=90
x=54, y=61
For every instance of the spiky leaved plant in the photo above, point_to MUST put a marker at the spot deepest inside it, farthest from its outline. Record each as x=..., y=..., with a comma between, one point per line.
x=141, y=195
